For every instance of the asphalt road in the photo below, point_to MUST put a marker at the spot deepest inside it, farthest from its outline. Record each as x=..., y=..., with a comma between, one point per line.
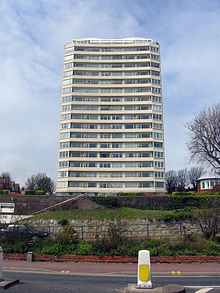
x=62, y=283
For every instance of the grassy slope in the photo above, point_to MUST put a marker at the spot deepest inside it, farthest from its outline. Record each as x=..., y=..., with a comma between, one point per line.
x=127, y=213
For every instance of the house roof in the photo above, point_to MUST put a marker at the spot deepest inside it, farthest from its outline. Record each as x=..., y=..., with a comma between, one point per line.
x=209, y=176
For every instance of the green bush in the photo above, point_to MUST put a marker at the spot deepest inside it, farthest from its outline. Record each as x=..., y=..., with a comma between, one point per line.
x=183, y=193
x=215, y=193
x=130, y=194
x=63, y=222
x=84, y=248
x=106, y=201
x=202, y=192
x=175, y=202
x=133, y=251
x=39, y=192
x=34, y=192
x=3, y=191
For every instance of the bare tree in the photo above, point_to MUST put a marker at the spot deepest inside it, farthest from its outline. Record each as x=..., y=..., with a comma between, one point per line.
x=40, y=181
x=7, y=179
x=204, y=137
x=31, y=184
x=194, y=173
x=45, y=183
x=6, y=175
x=171, y=181
x=182, y=179
x=208, y=217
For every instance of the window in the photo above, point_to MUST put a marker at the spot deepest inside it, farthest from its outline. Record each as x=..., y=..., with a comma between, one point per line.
x=158, y=154
x=130, y=164
x=117, y=135
x=73, y=184
x=105, y=145
x=105, y=135
x=67, y=90
x=116, y=145
x=158, y=144
x=105, y=165
x=117, y=165
x=130, y=145
x=67, y=81
x=104, y=155
x=63, y=164
x=131, y=184
x=159, y=184
x=91, y=184
x=64, y=154
x=116, y=174
x=158, y=135
x=64, y=135
x=130, y=135
x=92, y=165
x=62, y=184
x=116, y=155
x=68, y=65
x=68, y=57
x=131, y=174
x=62, y=174
x=68, y=73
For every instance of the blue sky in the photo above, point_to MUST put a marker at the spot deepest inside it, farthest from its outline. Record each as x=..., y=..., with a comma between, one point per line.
x=32, y=36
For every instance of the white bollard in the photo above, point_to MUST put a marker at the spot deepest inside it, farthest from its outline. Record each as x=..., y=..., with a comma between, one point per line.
x=1, y=263
x=144, y=270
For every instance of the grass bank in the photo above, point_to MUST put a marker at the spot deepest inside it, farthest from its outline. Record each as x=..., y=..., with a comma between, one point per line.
x=117, y=213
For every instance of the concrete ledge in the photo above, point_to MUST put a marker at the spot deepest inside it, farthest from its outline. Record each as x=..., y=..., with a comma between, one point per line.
x=170, y=288
x=6, y=283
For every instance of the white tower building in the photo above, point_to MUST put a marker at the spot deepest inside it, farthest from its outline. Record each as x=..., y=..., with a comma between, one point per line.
x=111, y=123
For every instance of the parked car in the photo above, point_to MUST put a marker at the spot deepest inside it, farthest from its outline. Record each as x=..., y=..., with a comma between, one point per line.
x=23, y=230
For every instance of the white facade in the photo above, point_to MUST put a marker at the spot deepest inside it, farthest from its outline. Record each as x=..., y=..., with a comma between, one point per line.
x=111, y=123
x=207, y=182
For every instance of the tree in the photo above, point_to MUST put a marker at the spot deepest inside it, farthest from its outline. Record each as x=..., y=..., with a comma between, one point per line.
x=182, y=179
x=40, y=181
x=204, y=137
x=7, y=179
x=194, y=173
x=171, y=181
x=208, y=217
x=6, y=175
x=30, y=184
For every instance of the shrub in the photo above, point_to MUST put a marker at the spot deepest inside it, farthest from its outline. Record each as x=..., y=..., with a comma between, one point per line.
x=84, y=248
x=39, y=192
x=63, y=222
x=3, y=191
x=130, y=194
x=183, y=193
x=175, y=202
x=34, y=192
x=215, y=193
x=133, y=251
x=106, y=201
x=202, y=192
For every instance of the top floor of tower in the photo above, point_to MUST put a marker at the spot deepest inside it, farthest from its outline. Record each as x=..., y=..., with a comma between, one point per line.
x=112, y=45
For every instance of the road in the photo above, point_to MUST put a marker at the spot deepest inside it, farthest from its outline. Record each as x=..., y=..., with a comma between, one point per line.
x=42, y=282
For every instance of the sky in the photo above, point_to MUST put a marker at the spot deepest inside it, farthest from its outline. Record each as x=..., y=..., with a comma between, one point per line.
x=32, y=38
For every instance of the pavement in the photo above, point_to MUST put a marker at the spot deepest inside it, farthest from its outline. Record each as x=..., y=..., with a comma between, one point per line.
x=117, y=269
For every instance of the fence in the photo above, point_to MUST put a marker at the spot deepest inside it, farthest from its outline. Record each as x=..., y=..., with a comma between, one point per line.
x=136, y=230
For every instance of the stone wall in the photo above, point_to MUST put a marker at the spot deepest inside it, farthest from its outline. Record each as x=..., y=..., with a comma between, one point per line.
x=29, y=204
x=134, y=228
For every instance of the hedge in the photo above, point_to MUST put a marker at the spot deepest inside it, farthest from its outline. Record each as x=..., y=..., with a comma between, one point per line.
x=34, y=192
x=3, y=191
